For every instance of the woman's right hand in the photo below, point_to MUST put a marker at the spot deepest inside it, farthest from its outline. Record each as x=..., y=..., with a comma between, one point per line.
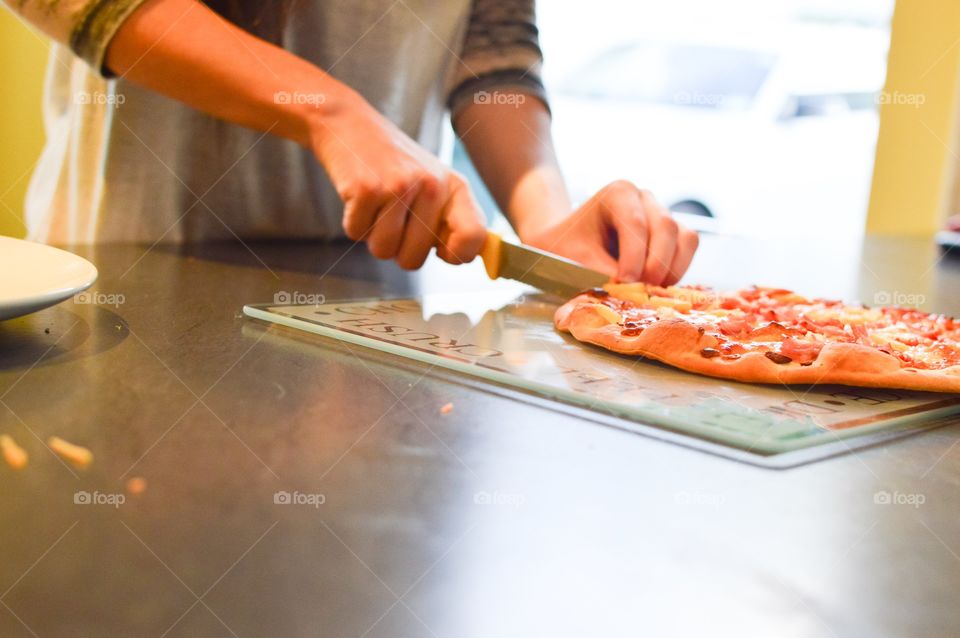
x=398, y=198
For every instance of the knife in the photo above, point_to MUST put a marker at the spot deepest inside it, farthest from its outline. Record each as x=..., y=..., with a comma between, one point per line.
x=550, y=273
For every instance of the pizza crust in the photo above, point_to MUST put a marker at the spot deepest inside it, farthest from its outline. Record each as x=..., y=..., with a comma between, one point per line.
x=678, y=343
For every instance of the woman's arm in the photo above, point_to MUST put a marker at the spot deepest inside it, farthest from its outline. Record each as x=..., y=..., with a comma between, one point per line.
x=183, y=50
x=526, y=181
x=398, y=198
x=499, y=110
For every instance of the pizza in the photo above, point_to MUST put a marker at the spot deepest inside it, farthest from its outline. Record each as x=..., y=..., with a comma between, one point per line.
x=769, y=335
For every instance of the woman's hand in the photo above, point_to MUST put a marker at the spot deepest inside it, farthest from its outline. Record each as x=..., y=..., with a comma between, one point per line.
x=621, y=231
x=398, y=198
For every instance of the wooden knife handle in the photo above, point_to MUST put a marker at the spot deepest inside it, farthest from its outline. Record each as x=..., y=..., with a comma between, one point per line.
x=491, y=255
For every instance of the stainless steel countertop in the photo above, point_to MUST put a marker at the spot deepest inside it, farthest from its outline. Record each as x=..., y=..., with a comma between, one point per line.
x=590, y=530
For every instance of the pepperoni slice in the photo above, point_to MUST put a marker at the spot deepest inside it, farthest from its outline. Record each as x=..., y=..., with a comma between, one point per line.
x=801, y=351
x=734, y=326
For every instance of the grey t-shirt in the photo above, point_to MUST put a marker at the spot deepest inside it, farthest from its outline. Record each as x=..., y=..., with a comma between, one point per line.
x=124, y=164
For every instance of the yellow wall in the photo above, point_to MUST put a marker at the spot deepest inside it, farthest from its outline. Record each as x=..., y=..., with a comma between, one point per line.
x=917, y=154
x=23, y=55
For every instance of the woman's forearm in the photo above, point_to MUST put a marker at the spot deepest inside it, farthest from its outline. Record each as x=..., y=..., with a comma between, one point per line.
x=182, y=49
x=512, y=149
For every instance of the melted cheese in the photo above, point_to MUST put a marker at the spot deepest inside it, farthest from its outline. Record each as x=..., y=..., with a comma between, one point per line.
x=886, y=339
x=680, y=305
x=611, y=315
x=666, y=312
x=847, y=315
x=635, y=292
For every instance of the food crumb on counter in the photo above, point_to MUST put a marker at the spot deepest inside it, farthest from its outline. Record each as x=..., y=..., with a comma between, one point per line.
x=80, y=456
x=15, y=456
x=446, y=408
x=136, y=485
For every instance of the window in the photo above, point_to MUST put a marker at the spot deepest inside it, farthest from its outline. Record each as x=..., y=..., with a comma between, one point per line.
x=760, y=116
x=683, y=75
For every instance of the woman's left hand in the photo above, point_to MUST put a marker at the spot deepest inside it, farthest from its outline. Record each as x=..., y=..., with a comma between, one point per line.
x=623, y=232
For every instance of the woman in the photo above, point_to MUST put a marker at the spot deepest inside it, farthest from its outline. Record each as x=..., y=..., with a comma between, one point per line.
x=360, y=87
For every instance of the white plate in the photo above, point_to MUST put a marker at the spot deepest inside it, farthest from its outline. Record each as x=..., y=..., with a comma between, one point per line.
x=35, y=276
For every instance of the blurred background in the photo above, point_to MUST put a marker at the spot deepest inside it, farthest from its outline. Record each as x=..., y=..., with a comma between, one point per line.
x=748, y=117
x=759, y=115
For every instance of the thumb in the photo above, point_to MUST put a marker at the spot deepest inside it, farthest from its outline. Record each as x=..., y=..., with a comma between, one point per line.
x=462, y=231
x=598, y=259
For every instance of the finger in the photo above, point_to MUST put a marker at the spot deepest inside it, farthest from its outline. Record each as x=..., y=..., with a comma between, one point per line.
x=463, y=231
x=360, y=211
x=591, y=238
x=687, y=243
x=385, y=237
x=600, y=261
x=625, y=214
x=664, y=231
x=420, y=234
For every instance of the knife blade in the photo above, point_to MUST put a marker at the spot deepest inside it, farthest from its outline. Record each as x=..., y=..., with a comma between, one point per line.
x=550, y=273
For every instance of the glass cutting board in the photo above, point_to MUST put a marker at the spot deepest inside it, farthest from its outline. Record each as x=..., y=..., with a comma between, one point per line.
x=512, y=342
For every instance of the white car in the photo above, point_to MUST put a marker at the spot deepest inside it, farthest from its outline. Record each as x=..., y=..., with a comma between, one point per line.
x=764, y=132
